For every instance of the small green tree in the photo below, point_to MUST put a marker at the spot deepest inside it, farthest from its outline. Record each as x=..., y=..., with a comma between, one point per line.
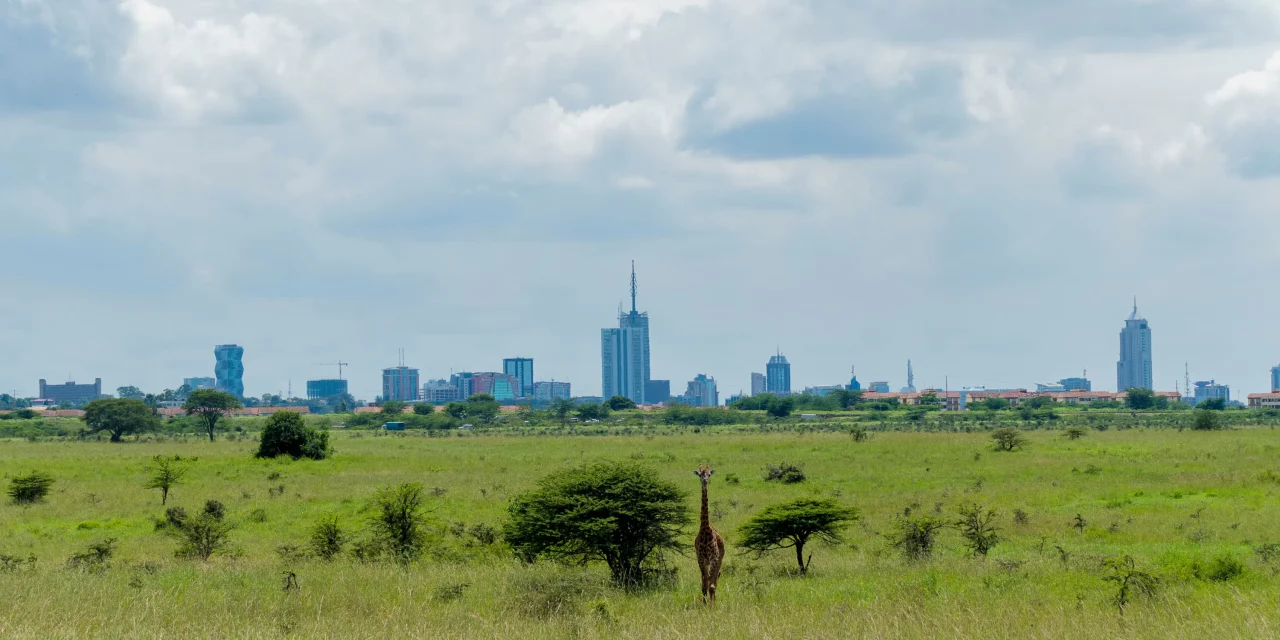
x=793, y=524
x=1213, y=404
x=456, y=410
x=1129, y=580
x=1140, y=399
x=328, y=538
x=995, y=404
x=561, y=408
x=977, y=527
x=780, y=406
x=482, y=407
x=621, y=403
x=31, y=488
x=204, y=535
x=593, y=412
x=399, y=521
x=1008, y=439
x=166, y=473
x=119, y=416
x=210, y=405
x=1074, y=433
x=915, y=537
x=424, y=409
x=287, y=434
x=1206, y=420
x=621, y=513
x=392, y=408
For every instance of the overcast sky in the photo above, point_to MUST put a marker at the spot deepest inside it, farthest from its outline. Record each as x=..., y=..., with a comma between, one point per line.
x=979, y=186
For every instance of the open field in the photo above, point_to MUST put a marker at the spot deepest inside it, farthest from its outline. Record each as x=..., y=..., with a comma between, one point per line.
x=1179, y=502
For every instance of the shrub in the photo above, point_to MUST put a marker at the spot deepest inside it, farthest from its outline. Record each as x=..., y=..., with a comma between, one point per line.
x=975, y=525
x=915, y=537
x=1221, y=569
x=165, y=474
x=1008, y=439
x=31, y=488
x=785, y=472
x=793, y=524
x=328, y=538
x=1074, y=433
x=399, y=521
x=623, y=514
x=94, y=558
x=620, y=403
x=204, y=535
x=286, y=434
x=1206, y=420
x=1129, y=580
x=860, y=433
x=424, y=409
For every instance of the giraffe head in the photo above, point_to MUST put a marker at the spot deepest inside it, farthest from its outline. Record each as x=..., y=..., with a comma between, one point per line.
x=704, y=473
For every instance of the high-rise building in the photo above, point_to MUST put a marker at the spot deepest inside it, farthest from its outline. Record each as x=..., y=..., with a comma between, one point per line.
x=1275, y=379
x=228, y=368
x=521, y=368
x=624, y=353
x=71, y=393
x=503, y=387
x=657, y=391
x=702, y=392
x=878, y=386
x=321, y=389
x=911, y=379
x=400, y=383
x=1211, y=390
x=1133, y=371
x=548, y=391
x=1076, y=384
x=200, y=383
x=758, y=385
x=440, y=392
x=854, y=385
x=462, y=382
x=778, y=375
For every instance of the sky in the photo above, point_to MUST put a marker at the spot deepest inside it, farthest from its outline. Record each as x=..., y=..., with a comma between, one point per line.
x=982, y=187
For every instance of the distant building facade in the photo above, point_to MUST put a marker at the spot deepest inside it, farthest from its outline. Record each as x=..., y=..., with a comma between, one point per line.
x=1133, y=371
x=400, y=383
x=854, y=385
x=778, y=376
x=701, y=392
x=548, y=391
x=657, y=391
x=911, y=379
x=200, y=383
x=624, y=353
x=1275, y=378
x=440, y=392
x=522, y=369
x=1211, y=390
x=70, y=392
x=503, y=387
x=321, y=389
x=758, y=384
x=879, y=386
x=824, y=390
x=228, y=368
x=1076, y=384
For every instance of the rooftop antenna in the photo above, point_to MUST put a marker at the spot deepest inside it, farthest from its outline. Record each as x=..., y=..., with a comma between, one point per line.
x=633, y=286
x=1187, y=372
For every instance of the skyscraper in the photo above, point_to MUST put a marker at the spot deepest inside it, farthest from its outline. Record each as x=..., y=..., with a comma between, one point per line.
x=228, y=368
x=702, y=392
x=757, y=384
x=1133, y=371
x=624, y=353
x=400, y=383
x=778, y=375
x=323, y=389
x=911, y=379
x=854, y=385
x=521, y=368
x=1211, y=390
x=1275, y=378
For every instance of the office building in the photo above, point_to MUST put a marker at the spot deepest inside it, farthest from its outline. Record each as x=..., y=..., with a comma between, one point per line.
x=440, y=392
x=1275, y=378
x=1076, y=384
x=228, y=369
x=777, y=375
x=70, y=392
x=400, y=383
x=548, y=391
x=911, y=379
x=322, y=389
x=1055, y=387
x=200, y=383
x=521, y=368
x=624, y=353
x=822, y=391
x=854, y=385
x=503, y=387
x=657, y=391
x=462, y=382
x=758, y=385
x=878, y=386
x=702, y=392
x=1211, y=390
x=1133, y=371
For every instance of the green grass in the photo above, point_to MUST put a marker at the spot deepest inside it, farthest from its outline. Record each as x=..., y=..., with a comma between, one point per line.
x=1176, y=501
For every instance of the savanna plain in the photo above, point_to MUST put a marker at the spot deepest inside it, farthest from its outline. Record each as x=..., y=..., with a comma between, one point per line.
x=1187, y=522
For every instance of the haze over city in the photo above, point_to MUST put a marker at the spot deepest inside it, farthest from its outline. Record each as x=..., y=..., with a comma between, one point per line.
x=984, y=199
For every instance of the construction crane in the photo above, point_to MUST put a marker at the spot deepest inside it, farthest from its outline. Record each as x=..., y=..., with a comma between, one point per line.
x=340, y=364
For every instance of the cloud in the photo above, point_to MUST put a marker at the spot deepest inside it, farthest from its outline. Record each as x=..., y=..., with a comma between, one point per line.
x=1245, y=120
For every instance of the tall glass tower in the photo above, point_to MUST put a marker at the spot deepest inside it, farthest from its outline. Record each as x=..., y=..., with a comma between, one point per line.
x=777, y=375
x=624, y=353
x=228, y=368
x=1133, y=371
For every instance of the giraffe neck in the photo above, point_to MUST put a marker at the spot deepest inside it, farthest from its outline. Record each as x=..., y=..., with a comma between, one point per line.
x=706, y=517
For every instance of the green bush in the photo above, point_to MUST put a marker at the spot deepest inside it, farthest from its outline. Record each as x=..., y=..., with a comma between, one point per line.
x=785, y=472
x=623, y=514
x=1223, y=568
x=793, y=524
x=915, y=537
x=1207, y=420
x=1008, y=439
x=30, y=489
x=328, y=538
x=399, y=522
x=286, y=434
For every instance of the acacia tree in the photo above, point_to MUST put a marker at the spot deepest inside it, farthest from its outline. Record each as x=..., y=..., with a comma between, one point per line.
x=561, y=408
x=620, y=403
x=211, y=405
x=118, y=416
x=794, y=524
x=621, y=513
x=166, y=473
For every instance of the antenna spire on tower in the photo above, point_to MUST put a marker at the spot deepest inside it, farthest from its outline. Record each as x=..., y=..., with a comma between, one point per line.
x=633, y=286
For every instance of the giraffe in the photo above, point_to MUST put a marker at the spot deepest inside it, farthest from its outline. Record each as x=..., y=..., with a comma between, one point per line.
x=709, y=544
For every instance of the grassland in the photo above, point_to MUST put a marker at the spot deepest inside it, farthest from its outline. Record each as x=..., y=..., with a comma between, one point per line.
x=1176, y=501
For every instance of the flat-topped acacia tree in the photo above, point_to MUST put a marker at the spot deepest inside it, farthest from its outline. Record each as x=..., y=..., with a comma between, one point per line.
x=210, y=405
